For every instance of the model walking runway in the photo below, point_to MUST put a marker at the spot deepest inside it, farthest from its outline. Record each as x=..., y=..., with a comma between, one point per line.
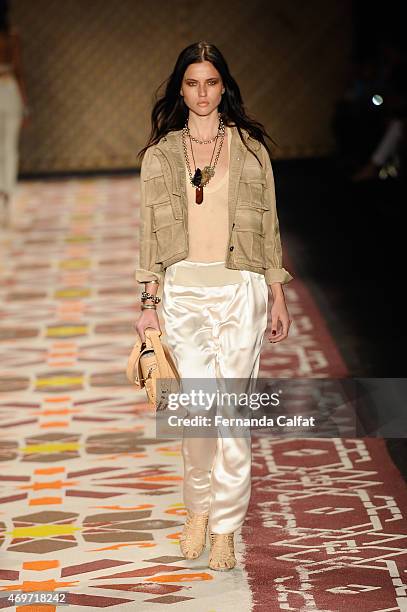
x=91, y=503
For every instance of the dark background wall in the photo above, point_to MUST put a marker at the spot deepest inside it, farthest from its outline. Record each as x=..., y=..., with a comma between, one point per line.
x=92, y=67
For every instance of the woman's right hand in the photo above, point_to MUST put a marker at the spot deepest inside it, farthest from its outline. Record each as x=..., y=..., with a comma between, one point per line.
x=147, y=318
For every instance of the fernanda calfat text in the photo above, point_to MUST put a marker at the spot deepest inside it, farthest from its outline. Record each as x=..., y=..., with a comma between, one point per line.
x=205, y=421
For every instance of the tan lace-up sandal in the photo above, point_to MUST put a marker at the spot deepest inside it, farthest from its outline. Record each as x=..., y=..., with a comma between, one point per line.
x=193, y=538
x=222, y=555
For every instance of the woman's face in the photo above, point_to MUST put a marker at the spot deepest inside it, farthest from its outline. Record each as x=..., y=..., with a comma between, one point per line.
x=202, y=88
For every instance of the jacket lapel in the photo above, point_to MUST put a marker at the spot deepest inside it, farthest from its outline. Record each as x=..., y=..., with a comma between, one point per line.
x=237, y=158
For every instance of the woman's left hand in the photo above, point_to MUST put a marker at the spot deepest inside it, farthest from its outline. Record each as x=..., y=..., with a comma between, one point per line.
x=280, y=320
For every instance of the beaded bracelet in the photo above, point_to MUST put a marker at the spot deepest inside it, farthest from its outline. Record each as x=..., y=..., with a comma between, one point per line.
x=149, y=296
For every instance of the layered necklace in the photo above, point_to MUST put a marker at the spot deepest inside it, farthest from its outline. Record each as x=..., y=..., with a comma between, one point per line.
x=202, y=177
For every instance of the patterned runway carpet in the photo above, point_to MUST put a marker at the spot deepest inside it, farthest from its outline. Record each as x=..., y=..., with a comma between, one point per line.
x=90, y=500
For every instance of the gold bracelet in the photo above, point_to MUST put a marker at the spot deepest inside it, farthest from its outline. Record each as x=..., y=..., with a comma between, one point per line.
x=150, y=281
x=150, y=306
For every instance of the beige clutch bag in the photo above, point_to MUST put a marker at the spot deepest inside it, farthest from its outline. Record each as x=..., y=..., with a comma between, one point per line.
x=150, y=361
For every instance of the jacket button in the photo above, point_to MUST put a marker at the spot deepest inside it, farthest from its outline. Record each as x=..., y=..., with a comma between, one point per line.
x=231, y=248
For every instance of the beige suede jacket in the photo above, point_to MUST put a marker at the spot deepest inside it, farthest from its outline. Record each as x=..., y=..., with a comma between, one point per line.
x=254, y=238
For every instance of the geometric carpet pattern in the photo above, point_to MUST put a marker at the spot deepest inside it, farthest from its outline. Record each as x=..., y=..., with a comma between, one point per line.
x=326, y=527
x=90, y=500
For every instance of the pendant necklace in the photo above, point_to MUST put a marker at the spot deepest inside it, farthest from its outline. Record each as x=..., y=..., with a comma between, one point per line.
x=202, y=177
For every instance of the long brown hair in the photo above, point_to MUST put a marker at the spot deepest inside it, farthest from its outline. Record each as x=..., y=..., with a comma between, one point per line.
x=170, y=111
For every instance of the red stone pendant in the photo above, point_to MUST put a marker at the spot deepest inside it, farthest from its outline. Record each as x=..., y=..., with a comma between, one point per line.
x=199, y=195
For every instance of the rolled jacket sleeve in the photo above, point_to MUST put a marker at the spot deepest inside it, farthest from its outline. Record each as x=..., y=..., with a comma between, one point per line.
x=148, y=269
x=275, y=273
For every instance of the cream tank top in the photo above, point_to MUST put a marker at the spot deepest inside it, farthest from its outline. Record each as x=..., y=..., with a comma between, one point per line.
x=208, y=230
x=208, y=223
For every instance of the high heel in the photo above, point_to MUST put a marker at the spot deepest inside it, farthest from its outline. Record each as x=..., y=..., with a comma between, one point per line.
x=222, y=555
x=193, y=538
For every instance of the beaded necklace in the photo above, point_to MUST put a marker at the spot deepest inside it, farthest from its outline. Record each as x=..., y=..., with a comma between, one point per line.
x=202, y=177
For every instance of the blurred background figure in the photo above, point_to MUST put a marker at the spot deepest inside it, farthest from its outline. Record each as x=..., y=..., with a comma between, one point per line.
x=369, y=119
x=388, y=157
x=13, y=111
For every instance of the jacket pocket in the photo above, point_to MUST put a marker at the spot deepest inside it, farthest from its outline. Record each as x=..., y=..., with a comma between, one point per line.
x=167, y=227
x=249, y=247
x=156, y=190
x=162, y=214
x=171, y=240
x=249, y=218
x=168, y=230
x=249, y=236
x=251, y=190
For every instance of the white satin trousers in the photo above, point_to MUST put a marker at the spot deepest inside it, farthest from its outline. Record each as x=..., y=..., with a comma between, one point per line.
x=215, y=319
